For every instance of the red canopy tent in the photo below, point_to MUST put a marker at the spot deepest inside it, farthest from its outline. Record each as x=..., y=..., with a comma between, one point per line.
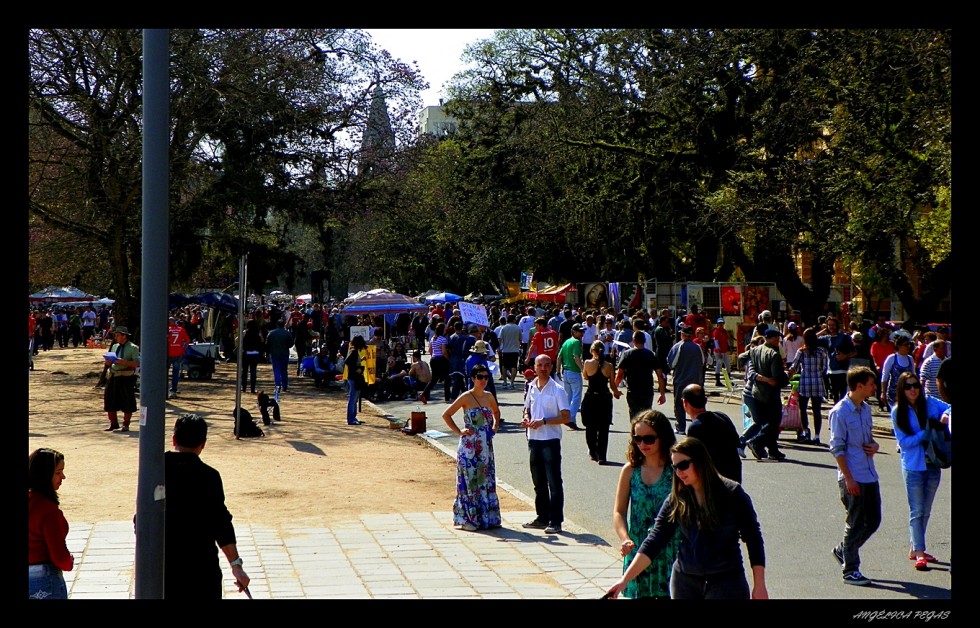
x=557, y=294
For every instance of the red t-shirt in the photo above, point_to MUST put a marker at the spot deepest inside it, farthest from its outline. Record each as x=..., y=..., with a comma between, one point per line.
x=177, y=341
x=720, y=336
x=545, y=341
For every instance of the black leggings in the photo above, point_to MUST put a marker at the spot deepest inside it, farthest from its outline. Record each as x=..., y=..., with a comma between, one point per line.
x=440, y=371
x=815, y=404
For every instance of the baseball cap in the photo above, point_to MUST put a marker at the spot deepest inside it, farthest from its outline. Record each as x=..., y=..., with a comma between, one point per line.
x=578, y=327
x=720, y=320
x=772, y=333
x=684, y=329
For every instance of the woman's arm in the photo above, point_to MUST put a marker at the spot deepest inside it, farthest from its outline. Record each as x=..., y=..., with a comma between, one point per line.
x=495, y=411
x=759, y=591
x=621, y=509
x=610, y=373
x=447, y=416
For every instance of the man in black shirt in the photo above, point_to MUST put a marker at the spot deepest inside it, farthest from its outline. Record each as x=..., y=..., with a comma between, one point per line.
x=197, y=521
x=637, y=366
x=715, y=430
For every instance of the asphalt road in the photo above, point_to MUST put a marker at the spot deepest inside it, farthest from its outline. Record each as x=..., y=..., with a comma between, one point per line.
x=797, y=502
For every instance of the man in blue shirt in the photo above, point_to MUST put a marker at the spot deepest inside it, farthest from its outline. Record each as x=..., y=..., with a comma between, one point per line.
x=853, y=448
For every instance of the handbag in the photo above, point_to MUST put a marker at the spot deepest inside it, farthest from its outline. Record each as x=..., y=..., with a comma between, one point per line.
x=791, y=414
x=938, y=445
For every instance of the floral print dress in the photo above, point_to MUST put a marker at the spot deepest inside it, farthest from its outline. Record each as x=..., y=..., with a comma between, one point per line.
x=645, y=502
x=476, y=477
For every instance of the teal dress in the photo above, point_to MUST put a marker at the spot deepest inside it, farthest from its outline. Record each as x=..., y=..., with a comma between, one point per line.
x=645, y=502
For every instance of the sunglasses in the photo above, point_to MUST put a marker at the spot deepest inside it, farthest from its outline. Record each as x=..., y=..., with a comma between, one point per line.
x=915, y=385
x=648, y=439
x=684, y=465
x=481, y=377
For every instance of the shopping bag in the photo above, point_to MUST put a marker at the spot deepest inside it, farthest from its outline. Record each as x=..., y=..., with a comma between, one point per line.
x=791, y=414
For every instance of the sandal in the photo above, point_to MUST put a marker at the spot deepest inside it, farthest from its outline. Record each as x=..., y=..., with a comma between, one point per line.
x=929, y=558
x=921, y=563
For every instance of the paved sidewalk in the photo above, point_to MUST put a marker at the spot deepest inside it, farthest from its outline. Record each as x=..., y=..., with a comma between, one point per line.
x=395, y=556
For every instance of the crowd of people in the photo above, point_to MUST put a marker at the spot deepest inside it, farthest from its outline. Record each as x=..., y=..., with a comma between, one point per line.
x=680, y=510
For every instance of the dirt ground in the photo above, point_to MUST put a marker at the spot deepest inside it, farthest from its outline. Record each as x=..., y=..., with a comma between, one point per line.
x=310, y=466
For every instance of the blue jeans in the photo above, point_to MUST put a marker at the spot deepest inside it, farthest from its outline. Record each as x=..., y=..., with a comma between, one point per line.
x=921, y=487
x=549, y=495
x=46, y=582
x=352, y=395
x=177, y=364
x=863, y=518
x=572, y=383
x=280, y=371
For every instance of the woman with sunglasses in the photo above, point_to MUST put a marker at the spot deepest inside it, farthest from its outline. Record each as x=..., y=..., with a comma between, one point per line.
x=643, y=486
x=47, y=528
x=477, y=506
x=910, y=417
x=712, y=513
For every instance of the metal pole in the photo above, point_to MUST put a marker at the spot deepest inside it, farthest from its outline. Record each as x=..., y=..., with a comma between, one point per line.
x=242, y=272
x=151, y=492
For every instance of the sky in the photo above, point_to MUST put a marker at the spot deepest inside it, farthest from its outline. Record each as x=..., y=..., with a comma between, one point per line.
x=437, y=52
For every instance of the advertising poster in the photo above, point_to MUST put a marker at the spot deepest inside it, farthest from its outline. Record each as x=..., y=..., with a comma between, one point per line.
x=596, y=296
x=756, y=299
x=694, y=297
x=526, y=279
x=731, y=301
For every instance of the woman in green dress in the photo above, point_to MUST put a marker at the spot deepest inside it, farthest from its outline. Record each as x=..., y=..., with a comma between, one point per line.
x=643, y=486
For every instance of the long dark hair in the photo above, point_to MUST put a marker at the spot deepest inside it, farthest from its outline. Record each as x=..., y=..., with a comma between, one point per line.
x=665, y=436
x=810, y=341
x=686, y=510
x=41, y=465
x=902, y=417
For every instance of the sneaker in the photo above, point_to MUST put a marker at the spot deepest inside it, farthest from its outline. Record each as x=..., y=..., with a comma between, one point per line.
x=554, y=528
x=815, y=441
x=535, y=524
x=111, y=428
x=839, y=554
x=856, y=578
x=758, y=452
x=778, y=456
x=469, y=527
x=741, y=451
x=124, y=428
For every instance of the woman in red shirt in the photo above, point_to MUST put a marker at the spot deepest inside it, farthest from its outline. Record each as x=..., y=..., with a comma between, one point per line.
x=47, y=528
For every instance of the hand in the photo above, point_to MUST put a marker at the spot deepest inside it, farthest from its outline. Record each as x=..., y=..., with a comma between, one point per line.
x=614, y=590
x=870, y=448
x=626, y=547
x=241, y=578
x=853, y=488
x=617, y=394
x=662, y=400
x=760, y=593
x=467, y=432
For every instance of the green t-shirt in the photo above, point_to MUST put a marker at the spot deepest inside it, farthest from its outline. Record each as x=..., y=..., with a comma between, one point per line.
x=566, y=355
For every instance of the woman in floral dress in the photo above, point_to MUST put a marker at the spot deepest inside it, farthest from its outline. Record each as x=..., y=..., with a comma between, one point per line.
x=477, y=506
x=644, y=484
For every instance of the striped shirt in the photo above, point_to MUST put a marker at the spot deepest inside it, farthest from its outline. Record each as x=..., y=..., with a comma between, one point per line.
x=927, y=375
x=438, y=346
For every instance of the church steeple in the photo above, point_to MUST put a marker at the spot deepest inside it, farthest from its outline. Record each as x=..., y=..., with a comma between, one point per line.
x=378, y=143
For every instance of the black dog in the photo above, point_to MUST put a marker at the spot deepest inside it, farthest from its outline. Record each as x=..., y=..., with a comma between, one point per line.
x=246, y=427
x=266, y=402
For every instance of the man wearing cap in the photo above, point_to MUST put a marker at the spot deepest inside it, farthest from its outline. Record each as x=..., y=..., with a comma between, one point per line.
x=719, y=338
x=570, y=364
x=686, y=363
x=768, y=366
x=479, y=354
x=120, y=389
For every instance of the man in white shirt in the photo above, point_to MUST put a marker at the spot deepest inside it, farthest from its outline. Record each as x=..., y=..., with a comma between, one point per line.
x=546, y=409
x=526, y=324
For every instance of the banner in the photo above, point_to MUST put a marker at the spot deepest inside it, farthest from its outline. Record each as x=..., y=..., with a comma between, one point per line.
x=370, y=358
x=360, y=330
x=526, y=279
x=614, y=299
x=731, y=301
x=473, y=313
